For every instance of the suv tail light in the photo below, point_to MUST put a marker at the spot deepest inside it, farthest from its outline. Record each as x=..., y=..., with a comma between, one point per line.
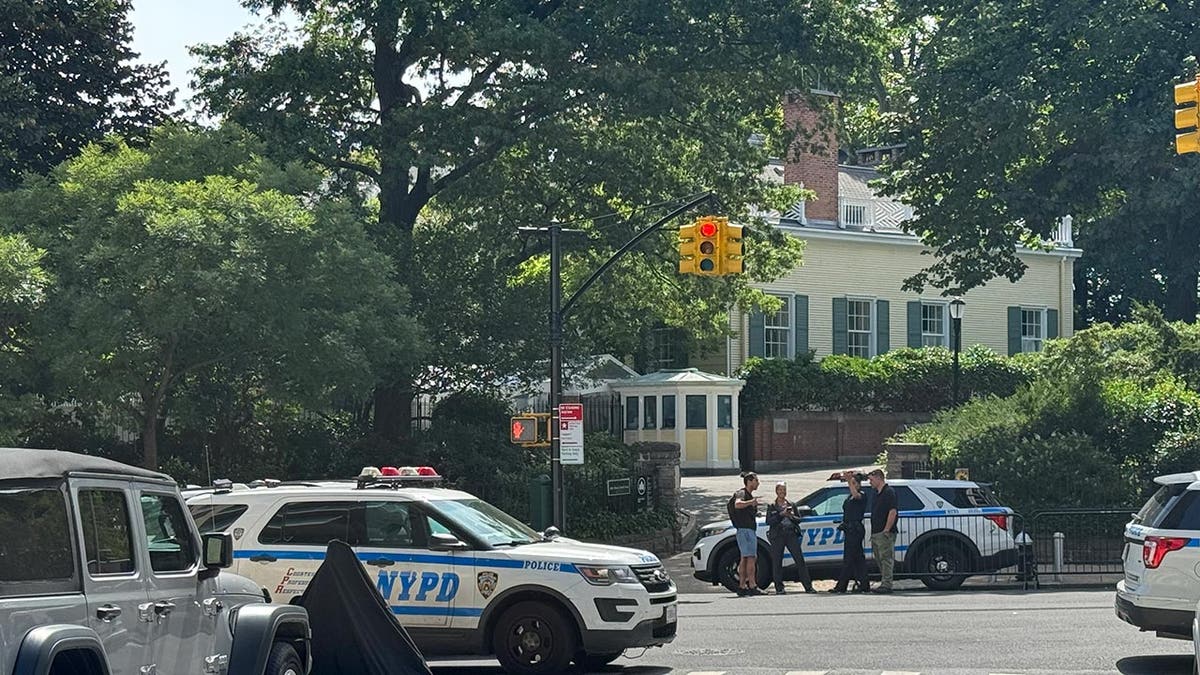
x=1001, y=520
x=1154, y=549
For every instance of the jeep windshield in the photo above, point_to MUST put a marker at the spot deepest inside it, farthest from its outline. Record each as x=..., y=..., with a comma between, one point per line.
x=487, y=522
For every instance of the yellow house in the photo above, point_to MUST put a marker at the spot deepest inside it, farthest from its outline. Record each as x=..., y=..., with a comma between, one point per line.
x=697, y=410
x=847, y=297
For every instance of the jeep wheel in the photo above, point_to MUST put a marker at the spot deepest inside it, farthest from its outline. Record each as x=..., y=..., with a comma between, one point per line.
x=589, y=662
x=943, y=565
x=533, y=638
x=283, y=660
x=727, y=566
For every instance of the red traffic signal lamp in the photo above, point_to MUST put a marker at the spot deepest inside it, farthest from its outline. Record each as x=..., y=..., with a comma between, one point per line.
x=708, y=233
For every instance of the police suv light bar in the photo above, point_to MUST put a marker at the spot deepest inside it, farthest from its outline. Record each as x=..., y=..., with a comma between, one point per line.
x=397, y=476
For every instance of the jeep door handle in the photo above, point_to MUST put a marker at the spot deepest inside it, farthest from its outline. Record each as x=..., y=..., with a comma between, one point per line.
x=263, y=557
x=107, y=613
x=164, y=608
x=381, y=562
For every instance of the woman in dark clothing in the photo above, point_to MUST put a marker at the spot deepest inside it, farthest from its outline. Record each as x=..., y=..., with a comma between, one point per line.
x=784, y=531
x=854, y=561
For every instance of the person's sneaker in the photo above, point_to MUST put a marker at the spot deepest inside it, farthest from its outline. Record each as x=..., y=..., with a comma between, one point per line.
x=863, y=589
x=809, y=589
x=884, y=590
x=836, y=590
x=780, y=591
x=753, y=591
x=742, y=592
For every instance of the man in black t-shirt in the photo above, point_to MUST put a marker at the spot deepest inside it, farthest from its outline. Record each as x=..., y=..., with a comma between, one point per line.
x=884, y=514
x=743, y=511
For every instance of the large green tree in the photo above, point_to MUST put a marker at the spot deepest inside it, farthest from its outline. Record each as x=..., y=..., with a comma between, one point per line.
x=474, y=119
x=194, y=256
x=67, y=77
x=1024, y=111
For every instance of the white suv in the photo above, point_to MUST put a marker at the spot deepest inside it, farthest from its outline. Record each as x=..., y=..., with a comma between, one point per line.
x=1162, y=559
x=462, y=576
x=949, y=530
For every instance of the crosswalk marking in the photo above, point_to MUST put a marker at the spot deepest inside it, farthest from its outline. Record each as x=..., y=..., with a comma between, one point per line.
x=898, y=672
x=807, y=672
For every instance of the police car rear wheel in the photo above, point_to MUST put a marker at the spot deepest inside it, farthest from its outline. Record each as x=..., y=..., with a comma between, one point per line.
x=533, y=638
x=943, y=564
x=283, y=660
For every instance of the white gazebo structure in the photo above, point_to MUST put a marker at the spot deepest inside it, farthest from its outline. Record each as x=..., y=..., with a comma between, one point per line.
x=697, y=410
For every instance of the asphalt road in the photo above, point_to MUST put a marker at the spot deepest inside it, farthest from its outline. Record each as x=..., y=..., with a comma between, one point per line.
x=961, y=633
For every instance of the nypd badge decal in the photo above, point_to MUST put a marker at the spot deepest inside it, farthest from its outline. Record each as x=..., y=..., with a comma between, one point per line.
x=487, y=583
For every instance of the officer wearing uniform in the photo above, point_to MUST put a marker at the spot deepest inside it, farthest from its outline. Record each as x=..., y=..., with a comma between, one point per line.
x=854, y=561
x=784, y=531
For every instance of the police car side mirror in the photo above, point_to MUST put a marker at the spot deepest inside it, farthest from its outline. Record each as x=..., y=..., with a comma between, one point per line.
x=803, y=511
x=445, y=542
x=218, y=550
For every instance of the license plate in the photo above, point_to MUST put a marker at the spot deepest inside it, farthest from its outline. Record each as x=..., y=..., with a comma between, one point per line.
x=671, y=613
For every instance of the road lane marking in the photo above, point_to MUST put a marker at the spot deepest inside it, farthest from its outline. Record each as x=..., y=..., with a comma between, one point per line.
x=807, y=672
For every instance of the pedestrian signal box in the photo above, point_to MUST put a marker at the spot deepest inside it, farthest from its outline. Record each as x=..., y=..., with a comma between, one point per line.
x=530, y=429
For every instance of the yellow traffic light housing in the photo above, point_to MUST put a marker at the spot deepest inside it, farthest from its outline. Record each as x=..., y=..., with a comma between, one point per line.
x=688, y=248
x=1187, y=117
x=708, y=255
x=731, y=248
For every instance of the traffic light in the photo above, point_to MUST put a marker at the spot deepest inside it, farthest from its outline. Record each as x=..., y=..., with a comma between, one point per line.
x=523, y=430
x=687, y=249
x=708, y=233
x=1187, y=95
x=731, y=248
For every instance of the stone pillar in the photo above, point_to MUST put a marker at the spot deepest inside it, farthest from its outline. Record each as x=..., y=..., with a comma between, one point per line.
x=898, y=453
x=662, y=460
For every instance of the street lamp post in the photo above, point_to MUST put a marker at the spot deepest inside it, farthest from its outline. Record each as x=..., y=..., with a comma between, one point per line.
x=957, y=307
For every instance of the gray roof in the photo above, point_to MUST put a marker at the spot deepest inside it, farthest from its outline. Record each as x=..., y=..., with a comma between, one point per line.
x=27, y=463
x=686, y=376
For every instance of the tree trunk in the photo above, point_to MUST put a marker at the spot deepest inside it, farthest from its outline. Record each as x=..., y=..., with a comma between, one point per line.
x=150, y=439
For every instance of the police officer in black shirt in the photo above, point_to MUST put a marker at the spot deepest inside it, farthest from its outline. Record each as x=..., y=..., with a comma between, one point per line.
x=854, y=561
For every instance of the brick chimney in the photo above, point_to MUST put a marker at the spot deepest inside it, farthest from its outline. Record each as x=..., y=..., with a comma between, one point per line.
x=812, y=159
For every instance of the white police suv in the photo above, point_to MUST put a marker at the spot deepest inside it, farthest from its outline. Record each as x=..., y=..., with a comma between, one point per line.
x=949, y=530
x=1162, y=560
x=461, y=575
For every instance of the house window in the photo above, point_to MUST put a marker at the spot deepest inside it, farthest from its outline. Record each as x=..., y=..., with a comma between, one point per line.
x=855, y=215
x=1033, y=329
x=631, y=412
x=724, y=412
x=650, y=412
x=668, y=411
x=860, y=328
x=933, y=325
x=697, y=411
x=777, y=331
x=663, y=346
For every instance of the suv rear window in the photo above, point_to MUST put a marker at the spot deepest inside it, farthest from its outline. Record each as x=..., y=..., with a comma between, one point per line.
x=1184, y=515
x=216, y=517
x=1153, y=507
x=966, y=497
x=35, y=526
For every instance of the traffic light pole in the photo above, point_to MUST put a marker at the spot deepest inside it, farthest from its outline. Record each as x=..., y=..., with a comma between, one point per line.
x=558, y=315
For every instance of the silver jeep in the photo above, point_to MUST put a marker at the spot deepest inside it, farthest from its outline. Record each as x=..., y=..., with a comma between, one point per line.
x=102, y=572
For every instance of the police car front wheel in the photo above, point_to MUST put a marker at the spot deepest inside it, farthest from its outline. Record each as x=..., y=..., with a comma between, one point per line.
x=533, y=638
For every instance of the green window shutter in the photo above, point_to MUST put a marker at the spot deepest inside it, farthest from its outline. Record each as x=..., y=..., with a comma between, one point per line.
x=1014, y=330
x=841, y=339
x=1051, y=323
x=801, y=321
x=883, y=326
x=914, y=324
x=758, y=334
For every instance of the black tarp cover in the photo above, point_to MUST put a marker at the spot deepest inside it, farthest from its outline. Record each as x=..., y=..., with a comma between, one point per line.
x=353, y=629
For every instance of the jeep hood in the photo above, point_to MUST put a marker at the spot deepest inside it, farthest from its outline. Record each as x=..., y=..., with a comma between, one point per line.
x=563, y=550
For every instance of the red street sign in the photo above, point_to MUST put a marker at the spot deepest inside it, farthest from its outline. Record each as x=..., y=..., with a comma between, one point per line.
x=570, y=412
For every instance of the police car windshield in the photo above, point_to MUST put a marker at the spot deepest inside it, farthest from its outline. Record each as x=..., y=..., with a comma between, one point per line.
x=487, y=522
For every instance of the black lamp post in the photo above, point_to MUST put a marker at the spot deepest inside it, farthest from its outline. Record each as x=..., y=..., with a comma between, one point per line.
x=957, y=307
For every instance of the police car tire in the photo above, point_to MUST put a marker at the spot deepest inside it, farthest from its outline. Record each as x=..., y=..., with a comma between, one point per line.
x=549, y=622
x=729, y=559
x=283, y=660
x=948, y=549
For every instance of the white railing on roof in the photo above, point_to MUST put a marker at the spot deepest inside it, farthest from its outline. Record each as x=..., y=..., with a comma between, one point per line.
x=1065, y=236
x=856, y=213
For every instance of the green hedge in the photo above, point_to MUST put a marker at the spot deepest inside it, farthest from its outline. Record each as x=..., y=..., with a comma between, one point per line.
x=905, y=380
x=1107, y=411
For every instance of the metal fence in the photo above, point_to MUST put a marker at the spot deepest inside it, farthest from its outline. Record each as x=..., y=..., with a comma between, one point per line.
x=625, y=492
x=1086, y=544
x=944, y=550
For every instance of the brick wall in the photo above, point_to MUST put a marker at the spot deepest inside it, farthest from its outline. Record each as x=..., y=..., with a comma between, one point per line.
x=791, y=438
x=813, y=156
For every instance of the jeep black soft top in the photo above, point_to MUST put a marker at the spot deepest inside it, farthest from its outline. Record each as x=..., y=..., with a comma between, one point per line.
x=31, y=463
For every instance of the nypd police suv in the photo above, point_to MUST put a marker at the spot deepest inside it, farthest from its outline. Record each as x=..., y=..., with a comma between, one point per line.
x=462, y=576
x=949, y=530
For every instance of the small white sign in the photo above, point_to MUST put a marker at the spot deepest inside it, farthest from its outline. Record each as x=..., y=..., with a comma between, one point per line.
x=570, y=433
